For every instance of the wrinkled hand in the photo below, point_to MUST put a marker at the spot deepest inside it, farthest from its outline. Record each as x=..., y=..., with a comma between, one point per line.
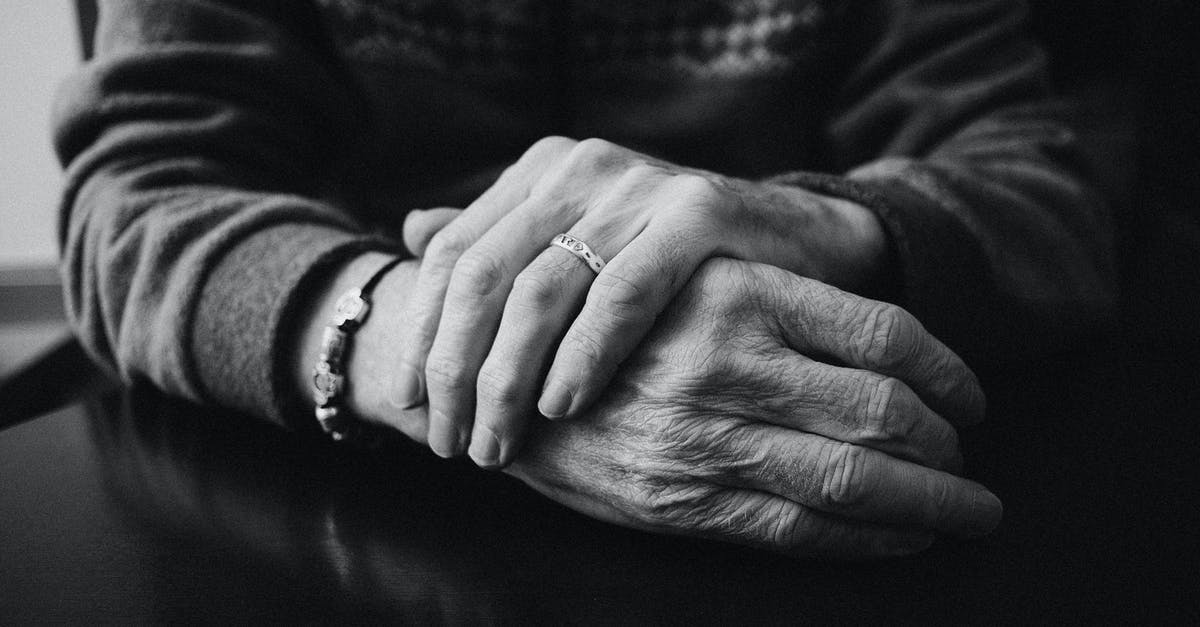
x=722, y=426
x=493, y=300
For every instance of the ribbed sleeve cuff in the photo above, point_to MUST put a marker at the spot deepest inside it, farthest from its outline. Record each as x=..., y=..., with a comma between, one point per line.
x=245, y=319
x=941, y=274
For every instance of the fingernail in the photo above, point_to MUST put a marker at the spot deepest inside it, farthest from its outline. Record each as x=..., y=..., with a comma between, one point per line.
x=555, y=401
x=485, y=448
x=443, y=437
x=408, y=391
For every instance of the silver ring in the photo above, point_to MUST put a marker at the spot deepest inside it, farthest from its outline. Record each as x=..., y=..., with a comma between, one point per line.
x=576, y=247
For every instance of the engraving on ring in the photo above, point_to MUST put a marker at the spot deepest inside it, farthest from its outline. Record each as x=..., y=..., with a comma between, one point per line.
x=578, y=248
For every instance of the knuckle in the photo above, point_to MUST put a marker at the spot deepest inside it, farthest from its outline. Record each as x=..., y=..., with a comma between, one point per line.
x=585, y=345
x=893, y=414
x=888, y=334
x=640, y=172
x=636, y=180
x=543, y=153
x=497, y=387
x=622, y=297
x=703, y=201
x=534, y=162
x=549, y=146
x=881, y=413
x=536, y=289
x=477, y=273
x=695, y=185
x=843, y=479
x=593, y=149
x=447, y=245
x=446, y=375
x=697, y=189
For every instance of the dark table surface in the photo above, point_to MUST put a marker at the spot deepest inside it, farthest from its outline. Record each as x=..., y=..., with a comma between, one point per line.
x=128, y=506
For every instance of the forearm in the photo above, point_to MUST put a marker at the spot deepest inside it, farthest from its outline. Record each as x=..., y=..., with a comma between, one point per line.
x=190, y=207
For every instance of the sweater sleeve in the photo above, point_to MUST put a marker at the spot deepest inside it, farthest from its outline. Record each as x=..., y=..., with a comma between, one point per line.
x=943, y=126
x=189, y=227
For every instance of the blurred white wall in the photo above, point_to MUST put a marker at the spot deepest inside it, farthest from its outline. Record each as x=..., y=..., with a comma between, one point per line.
x=39, y=45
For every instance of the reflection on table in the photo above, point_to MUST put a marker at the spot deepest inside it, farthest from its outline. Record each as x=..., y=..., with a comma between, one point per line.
x=133, y=505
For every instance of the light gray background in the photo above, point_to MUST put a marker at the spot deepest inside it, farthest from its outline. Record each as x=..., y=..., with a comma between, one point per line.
x=39, y=45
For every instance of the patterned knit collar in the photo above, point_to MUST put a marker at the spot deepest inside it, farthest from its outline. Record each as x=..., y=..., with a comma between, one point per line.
x=688, y=37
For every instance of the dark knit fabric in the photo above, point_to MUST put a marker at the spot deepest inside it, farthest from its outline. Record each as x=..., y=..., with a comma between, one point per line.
x=222, y=154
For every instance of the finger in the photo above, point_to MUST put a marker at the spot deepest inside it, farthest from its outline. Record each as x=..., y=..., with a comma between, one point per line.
x=422, y=224
x=471, y=310
x=536, y=310
x=424, y=309
x=484, y=275
x=855, y=406
x=859, y=483
x=480, y=285
x=883, y=338
x=621, y=307
x=482, y=279
x=733, y=514
x=545, y=295
x=767, y=521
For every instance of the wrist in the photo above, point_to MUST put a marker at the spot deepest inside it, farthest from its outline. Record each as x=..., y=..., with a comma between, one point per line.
x=833, y=240
x=366, y=362
x=861, y=254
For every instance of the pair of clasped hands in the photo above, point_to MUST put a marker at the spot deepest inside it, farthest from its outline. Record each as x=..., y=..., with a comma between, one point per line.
x=708, y=381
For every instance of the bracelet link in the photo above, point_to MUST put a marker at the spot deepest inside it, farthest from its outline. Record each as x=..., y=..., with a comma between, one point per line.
x=332, y=422
x=351, y=310
x=333, y=345
x=327, y=384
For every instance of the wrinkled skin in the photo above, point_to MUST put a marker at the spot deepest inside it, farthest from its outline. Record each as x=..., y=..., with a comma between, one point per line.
x=501, y=322
x=721, y=425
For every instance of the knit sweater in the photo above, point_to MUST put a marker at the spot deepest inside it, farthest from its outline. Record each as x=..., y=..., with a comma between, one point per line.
x=223, y=155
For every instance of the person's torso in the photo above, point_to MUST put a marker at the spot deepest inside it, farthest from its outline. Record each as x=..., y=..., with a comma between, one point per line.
x=457, y=89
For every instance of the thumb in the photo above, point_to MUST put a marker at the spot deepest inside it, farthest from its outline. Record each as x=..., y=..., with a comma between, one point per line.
x=422, y=224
